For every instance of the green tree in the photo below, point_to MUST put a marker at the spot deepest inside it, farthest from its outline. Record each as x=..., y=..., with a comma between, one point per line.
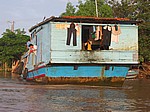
x=123, y=8
x=144, y=48
x=12, y=46
x=70, y=10
x=88, y=8
x=143, y=13
x=142, y=10
x=105, y=11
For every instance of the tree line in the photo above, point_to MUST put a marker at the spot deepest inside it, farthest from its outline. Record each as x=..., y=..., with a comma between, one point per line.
x=12, y=47
x=12, y=44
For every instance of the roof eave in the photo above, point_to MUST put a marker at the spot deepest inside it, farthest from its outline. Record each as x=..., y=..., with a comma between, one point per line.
x=81, y=19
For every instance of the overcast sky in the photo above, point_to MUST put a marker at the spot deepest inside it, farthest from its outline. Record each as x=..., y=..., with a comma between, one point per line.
x=26, y=13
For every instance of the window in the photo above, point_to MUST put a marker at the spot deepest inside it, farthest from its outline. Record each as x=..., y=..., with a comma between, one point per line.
x=89, y=39
x=96, y=37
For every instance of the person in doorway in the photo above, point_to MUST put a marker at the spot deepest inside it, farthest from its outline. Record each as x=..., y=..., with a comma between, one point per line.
x=89, y=45
x=32, y=49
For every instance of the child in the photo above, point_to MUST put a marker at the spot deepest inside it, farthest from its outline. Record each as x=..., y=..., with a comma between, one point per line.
x=32, y=48
x=88, y=44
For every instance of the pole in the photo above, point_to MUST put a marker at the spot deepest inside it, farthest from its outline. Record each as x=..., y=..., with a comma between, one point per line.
x=96, y=8
x=12, y=26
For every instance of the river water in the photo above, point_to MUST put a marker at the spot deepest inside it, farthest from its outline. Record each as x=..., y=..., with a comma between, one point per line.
x=20, y=96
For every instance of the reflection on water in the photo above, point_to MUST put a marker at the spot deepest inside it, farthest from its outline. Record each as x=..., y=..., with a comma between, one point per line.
x=8, y=75
x=21, y=96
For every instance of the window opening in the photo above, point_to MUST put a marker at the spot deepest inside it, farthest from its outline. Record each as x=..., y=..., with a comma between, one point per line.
x=88, y=38
x=96, y=37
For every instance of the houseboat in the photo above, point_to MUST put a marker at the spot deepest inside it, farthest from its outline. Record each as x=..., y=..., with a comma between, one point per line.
x=82, y=50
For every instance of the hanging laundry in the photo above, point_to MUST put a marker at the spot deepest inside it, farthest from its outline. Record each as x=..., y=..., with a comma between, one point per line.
x=94, y=28
x=116, y=31
x=77, y=27
x=93, y=35
x=94, y=32
x=98, y=33
x=71, y=31
x=106, y=37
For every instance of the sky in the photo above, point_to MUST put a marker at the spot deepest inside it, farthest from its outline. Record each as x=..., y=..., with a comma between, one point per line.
x=27, y=13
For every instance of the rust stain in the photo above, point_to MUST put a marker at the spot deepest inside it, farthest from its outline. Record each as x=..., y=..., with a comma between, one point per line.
x=93, y=81
x=117, y=79
x=103, y=72
x=96, y=18
x=89, y=56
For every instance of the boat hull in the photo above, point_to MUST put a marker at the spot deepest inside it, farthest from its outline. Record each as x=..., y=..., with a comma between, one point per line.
x=90, y=75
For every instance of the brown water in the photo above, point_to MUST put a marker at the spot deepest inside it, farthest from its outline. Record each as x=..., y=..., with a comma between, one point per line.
x=21, y=96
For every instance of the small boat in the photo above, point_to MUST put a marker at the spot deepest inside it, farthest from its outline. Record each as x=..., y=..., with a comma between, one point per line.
x=132, y=74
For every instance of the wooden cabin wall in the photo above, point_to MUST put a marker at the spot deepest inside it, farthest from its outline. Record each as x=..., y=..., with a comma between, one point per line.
x=60, y=52
x=125, y=51
x=128, y=39
x=59, y=38
x=42, y=40
x=45, y=43
x=39, y=47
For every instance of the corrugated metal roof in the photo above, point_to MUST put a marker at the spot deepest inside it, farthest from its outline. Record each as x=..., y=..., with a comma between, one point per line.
x=85, y=19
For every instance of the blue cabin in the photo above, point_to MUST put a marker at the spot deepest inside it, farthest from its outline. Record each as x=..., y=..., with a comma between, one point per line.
x=83, y=47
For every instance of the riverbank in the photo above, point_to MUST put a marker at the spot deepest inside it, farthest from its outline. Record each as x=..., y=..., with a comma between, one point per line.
x=144, y=71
